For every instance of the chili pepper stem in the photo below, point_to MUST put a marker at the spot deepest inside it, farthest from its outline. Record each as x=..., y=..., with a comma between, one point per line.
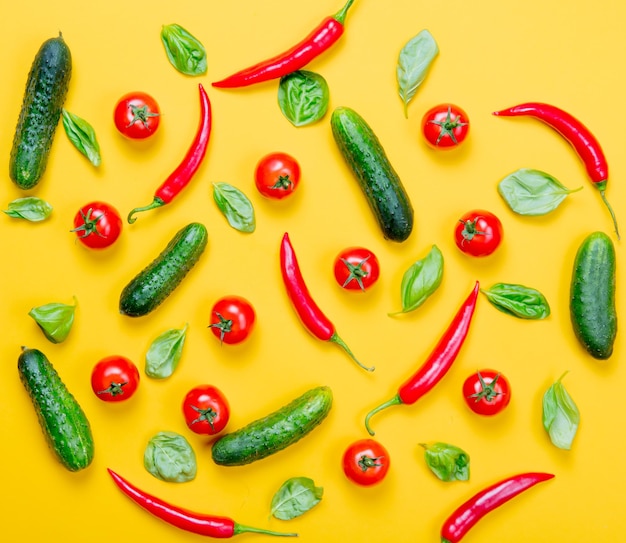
x=610, y=208
x=336, y=339
x=240, y=529
x=157, y=202
x=396, y=400
x=340, y=16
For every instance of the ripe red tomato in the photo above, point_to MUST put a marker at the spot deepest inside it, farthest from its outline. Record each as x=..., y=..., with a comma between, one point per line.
x=487, y=392
x=206, y=410
x=277, y=175
x=136, y=115
x=97, y=225
x=114, y=379
x=445, y=126
x=232, y=319
x=366, y=462
x=478, y=233
x=356, y=268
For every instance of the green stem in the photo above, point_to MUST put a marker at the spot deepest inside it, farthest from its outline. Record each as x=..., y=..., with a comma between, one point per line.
x=396, y=400
x=340, y=16
x=336, y=339
x=157, y=202
x=606, y=203
x=240, y=529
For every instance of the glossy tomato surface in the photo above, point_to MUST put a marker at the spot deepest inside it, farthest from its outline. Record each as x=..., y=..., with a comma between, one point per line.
x=487, y=392
x=277, y=175
x=445, y=126
x=114, y=379
x=356, y=268
x=97, y=225
x=366, y=462
x=137, y=115
x=478, y=233
x=232, y=319
x=206, y=410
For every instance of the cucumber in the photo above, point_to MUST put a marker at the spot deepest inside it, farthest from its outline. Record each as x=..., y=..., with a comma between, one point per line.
x=592, y=295
x=274, y=432
x=46, y=89
x=376, y=176
x=62, y=420
x=149, y=288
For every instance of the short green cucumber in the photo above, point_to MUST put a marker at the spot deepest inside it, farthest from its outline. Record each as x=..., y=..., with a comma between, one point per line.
x=274, y=432
x=592, y=295
x=149, y=288
x=46, y=89
x=377, y=178
x=62, y=420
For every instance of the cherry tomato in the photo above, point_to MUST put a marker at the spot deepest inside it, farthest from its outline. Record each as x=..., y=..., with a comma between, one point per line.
x=487, y=392
x=445, y=126
x=97, y=225
x=366, y=462
x=356, y=268
x=114, y=379
x=478, y=233
x=232, y=319
x=136, y=115
x=277, y=175
x=206, y=410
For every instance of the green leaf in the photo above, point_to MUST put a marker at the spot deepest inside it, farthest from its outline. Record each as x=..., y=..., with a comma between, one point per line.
x=235, y=206
x=184, y=51
x=295, y=497
x=169, y=457
x=83, y=136
x=29, y=208
x=55, y=320
x=164, y=353
x=518, y=301
x=560, y=415
x=303, y=97
x=447, y=462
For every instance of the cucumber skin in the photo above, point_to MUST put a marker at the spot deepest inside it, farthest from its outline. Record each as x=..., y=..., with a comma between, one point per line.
x=46, y=90
x=376, y=176
x=149, y=289
x=592, y=295
x=62, y=420
x=274, y=432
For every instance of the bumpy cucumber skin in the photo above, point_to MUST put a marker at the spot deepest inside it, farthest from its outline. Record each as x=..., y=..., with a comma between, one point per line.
x=274, y=432
x=592, y=295
x=62, y=420
x=46, y=89
x=377, y=178
x=149, y=289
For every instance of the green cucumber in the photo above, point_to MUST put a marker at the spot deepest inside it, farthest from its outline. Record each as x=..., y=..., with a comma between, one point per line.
x=46, y=89
x=592, y=295
x=62, y=420
x=274, y=432
x=149, y=288
x=376, y=176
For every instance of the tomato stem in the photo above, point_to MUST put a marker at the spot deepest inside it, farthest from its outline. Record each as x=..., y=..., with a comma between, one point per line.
x=396, y=400
x=336, y=339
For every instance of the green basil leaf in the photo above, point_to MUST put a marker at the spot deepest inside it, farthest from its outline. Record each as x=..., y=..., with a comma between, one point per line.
x=447, y=462
x=518, y=301
x=303, y=97
x=532, y=192
x=29, y=208
x=83, y=136
x=164, y=353
x=295, y=497
x=55, y=320
x=169, y=457
x=414, y=62
x=184, y=51
x=235, y=206
x=561, y=416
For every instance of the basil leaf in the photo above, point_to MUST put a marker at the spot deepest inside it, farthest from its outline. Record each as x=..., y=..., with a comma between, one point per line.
x=447, y=462
x=83, y=136
x=560, y=415
x=532, y=192
x=295, y=497
x=414, y=61
x=184, y=51
x=169, y=457
x=518, y=301
x=164, y=353
x=29, y=208
x=235, y=206
x=54, y=319
x=303, y=97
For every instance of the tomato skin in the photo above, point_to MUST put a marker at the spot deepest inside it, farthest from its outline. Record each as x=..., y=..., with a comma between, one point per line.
x=232, y=319
x=487, y=392
x=445, y=126
x=136, y=115
x=206, y=410
x=277, y=175
x=356, y=268
x=114, y=379
x=478, y=233
x=97, y=225
x=366, y=462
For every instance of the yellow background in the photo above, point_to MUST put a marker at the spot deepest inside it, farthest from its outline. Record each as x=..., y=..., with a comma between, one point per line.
x=492, y=55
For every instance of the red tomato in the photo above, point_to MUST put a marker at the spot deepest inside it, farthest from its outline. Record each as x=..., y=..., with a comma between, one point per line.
x=445, y=126
x=487, y=392
x=356, y=268
x=97, y=225
x=366, y=462
x=206, y=410
x=277, y=175
x=114, y=379
x=232, y=319
x=478, y=233
x=136, y=115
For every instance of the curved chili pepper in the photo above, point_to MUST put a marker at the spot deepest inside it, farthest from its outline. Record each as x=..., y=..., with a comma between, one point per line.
x=439, y=361
x=468, y=514
x=180, y=177
x=577, y=135
x=197, y=523
x=319, y=40
x=308, y=311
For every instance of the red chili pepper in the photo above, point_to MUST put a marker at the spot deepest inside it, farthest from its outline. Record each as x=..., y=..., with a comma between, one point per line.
x=310, y=314
x=181, y=176
x=197, y=523
x=577, y=135
x=468, y=514
x=439, y=361
x=319, y=40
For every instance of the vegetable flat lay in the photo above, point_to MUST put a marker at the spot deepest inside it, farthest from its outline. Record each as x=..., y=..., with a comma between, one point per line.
x=289, y=298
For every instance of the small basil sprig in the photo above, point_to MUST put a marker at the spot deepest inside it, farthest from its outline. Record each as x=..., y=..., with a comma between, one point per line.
x=55, y=320
x=83, y=136
x=303, y=97
x=165, y=353
x=169, y=457
x=518, y=301
x=296, y=496
x=235, y=206
x=561, y=416
x=29, y=208
x=447, y=462
x=184, y=51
